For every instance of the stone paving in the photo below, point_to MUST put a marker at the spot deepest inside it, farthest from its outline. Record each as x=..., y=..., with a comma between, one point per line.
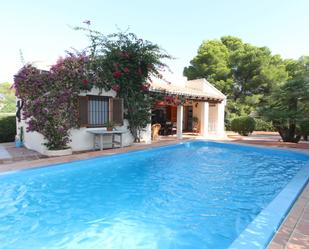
x=294, y=231
x=10, y=154
x=4, y=154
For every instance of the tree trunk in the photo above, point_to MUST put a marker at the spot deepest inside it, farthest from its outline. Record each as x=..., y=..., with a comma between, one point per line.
x=288, y=134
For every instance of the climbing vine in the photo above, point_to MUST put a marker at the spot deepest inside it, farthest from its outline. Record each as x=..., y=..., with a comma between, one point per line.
x=50, y=98
x=121, y=62
x=126, y=64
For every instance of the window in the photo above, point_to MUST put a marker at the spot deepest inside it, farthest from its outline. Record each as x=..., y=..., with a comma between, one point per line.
x=96, y=111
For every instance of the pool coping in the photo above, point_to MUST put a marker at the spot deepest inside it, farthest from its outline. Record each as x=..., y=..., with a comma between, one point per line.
x=258, y=233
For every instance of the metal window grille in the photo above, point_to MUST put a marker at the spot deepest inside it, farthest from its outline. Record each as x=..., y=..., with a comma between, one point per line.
x=98, y=110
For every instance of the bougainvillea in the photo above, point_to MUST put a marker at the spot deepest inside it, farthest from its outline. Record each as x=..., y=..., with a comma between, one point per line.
x=126, y=64
x=120, y=62
x=175, y=100
x=50, y=98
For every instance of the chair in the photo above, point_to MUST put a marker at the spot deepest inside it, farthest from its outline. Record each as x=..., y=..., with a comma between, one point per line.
x=174, y=128
x=168, y=128
x=155, y=128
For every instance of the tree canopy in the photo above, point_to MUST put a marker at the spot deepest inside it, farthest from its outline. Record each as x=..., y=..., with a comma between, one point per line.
x=288, y=106
x=255, y=82
x=7, y=98
x=245, y=73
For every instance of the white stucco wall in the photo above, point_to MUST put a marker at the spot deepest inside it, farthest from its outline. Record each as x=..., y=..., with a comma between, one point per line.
x=213, y=117
x=81, y=139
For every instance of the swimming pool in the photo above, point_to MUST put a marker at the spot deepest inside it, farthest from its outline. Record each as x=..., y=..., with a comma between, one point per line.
x=190, y=195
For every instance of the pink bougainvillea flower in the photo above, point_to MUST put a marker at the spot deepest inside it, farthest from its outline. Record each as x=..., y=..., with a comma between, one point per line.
x=169, y=99
x=125, y=55
x=117, y=74
x=178, y=101
x=126, y=70
x=116, y=87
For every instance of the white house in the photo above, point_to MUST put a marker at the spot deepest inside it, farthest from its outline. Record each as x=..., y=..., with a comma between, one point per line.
x=204, y=102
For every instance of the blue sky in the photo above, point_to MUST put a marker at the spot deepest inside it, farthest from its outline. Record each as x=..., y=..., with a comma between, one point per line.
x=41, y=29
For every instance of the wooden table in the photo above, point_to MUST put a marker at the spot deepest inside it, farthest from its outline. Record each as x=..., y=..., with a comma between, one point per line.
x=101, y=133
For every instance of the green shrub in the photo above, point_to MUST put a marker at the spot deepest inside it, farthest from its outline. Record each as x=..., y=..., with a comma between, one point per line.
x=262, y=125
x=243, y=125
x=304, y=129
x=7, y=129
x=227, y=123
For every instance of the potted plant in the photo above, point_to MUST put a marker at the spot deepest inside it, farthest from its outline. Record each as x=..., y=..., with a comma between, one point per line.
x=110, y=126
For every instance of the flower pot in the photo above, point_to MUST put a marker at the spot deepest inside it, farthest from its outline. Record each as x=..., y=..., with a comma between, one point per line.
x=109, y=128
x=64, y=152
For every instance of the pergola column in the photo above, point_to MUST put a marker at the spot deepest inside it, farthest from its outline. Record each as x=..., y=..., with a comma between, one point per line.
x=204, y=118
x=179, y=121
x=220, y=118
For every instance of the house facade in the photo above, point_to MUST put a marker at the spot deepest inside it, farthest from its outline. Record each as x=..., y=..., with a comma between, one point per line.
x=203, y=102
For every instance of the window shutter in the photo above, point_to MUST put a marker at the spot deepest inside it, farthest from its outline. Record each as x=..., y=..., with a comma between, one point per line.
x=118, y=111
x=83, y=110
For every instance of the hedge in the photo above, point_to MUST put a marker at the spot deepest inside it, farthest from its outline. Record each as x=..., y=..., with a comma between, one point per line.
x=262, y=125
x=7, y=129
x=243, y=125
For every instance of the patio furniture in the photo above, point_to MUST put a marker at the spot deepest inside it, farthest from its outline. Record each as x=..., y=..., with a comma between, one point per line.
x=155, y=128
x=168, y=129
x=100, y=133
x=174, y=128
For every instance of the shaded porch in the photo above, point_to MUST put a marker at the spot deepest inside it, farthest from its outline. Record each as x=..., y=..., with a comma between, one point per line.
x=190, y=106
x=199, y=117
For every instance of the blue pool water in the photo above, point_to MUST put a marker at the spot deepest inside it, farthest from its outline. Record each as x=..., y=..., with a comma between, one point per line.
x=189, y=196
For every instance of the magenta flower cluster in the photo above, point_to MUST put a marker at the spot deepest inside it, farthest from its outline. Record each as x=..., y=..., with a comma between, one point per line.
x=50, y=98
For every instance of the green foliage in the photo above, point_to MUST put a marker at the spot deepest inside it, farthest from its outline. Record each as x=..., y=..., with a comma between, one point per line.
x=245, y=73
x=288, y=105
x=125, y=63
x=262, y=125
x=7, y=128
x=254, y=81
x=304, y=128
x=243, y=125
x=7, y=98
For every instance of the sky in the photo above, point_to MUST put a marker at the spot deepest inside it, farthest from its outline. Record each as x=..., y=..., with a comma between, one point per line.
x=42, y=30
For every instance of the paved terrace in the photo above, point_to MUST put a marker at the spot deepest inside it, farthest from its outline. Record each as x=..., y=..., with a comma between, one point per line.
x=294, y=231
